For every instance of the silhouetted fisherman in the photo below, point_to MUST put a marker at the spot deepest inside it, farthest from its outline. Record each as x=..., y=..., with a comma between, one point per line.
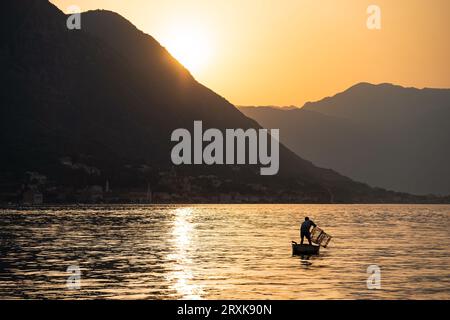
x=305, y=230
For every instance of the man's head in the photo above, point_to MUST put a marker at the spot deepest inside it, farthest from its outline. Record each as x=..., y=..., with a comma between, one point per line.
x=306, y=218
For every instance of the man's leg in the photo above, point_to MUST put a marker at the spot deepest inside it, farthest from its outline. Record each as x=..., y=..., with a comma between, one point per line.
x=309, y=239
x=301, y=238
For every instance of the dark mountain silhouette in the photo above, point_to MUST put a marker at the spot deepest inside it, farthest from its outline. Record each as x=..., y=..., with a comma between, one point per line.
x=81, y=107
x=386, y=135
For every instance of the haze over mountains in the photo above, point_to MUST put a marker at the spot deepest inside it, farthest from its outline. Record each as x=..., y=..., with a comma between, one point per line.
x=386, y=135
x=81, y=108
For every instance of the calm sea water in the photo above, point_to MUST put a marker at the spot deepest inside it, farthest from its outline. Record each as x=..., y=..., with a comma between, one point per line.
x=224, y=252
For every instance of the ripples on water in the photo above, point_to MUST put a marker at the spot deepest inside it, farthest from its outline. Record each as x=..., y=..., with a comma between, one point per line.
x=224, y=252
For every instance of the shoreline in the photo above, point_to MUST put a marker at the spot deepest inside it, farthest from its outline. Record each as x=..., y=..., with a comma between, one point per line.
x=87, y=205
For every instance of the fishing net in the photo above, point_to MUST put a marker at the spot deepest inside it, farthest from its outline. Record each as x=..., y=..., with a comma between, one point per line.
x=318, y=236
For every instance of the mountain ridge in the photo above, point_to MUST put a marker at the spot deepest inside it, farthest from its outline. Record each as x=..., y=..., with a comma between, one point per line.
x=85, y=107
x=402, y=129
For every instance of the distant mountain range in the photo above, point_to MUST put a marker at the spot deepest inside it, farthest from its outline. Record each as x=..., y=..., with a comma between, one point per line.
x=91, y=111
x=385, y=135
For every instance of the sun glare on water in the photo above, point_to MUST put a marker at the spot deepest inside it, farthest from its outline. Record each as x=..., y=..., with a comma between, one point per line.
x=191, y=46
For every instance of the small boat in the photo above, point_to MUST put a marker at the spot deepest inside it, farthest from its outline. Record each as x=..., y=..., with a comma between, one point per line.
x=304, y=249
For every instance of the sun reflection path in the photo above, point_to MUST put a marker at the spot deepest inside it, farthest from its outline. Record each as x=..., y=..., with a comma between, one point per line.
x=182, y=277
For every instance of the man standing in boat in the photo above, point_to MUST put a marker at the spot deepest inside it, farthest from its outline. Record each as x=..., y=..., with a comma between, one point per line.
x=305, y=230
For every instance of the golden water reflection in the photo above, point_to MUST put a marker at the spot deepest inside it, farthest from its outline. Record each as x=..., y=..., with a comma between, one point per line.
x=182, y=278
x=223, y=252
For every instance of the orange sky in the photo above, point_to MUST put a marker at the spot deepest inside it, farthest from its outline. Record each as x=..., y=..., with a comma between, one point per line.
x=287, y=52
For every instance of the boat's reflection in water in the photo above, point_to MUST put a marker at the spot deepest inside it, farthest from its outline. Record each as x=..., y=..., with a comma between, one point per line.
x=305, y=261
x=181, y=277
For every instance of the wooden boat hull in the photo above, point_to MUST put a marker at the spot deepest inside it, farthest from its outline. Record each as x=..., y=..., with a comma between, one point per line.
x=304, y=249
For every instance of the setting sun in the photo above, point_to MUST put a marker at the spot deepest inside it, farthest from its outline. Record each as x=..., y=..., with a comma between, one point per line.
x=190, y=45
x=265, y=53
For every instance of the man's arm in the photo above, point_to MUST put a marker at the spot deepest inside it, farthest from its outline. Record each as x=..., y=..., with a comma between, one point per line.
x=313, y=224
